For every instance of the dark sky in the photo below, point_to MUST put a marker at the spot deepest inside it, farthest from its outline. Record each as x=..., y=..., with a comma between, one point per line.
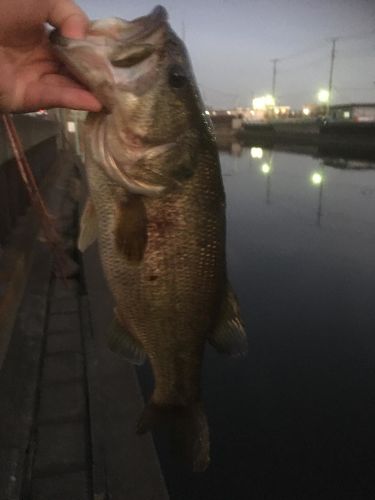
x=232, y=42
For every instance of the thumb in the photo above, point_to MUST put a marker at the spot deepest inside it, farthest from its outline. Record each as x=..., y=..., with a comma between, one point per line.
x=71, y=21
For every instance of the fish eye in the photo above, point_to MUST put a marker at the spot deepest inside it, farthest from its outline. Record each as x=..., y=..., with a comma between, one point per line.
x=176, y=77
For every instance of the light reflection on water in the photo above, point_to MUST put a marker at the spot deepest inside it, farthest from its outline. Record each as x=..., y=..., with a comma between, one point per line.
x=295, y=418
x=299, y=186
x=283, y=204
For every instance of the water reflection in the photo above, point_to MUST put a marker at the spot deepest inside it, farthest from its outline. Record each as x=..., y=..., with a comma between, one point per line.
x=256, y=152
x=346, y=163
x=337, y=158
x=266, y=169
x=266, y=163
x=317, y=179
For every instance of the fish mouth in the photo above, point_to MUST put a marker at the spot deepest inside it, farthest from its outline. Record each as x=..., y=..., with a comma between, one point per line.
x=115, y=30
x=131, y=31
x=93, y=59
x=57, y=39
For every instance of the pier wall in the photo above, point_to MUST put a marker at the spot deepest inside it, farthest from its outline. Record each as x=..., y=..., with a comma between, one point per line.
x=39, y=139
x=340, y=138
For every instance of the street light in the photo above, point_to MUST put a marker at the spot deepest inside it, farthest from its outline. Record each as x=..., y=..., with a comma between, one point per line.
x=306, y=111
x=323, y=96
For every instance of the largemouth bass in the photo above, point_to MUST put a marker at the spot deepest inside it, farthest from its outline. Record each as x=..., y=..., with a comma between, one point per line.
x=157, y=207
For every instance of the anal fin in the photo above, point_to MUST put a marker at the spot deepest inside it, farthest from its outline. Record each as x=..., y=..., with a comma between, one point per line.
x=121, y=342
x=229, y=336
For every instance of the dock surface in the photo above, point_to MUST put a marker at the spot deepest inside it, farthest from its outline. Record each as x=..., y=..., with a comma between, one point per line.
x=69, y=406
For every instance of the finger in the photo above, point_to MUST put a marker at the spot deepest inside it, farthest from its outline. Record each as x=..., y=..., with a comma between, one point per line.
x=44, y=95
x=68, y=18
x=62, y=79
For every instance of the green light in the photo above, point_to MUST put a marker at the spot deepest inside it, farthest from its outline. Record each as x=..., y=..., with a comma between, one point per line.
x=266, y=169
x=316, y=178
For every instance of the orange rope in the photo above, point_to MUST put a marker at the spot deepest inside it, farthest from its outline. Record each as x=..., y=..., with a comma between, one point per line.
x=53, y=238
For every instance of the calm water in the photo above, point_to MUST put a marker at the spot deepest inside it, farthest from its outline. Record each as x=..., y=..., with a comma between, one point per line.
x=296, y=418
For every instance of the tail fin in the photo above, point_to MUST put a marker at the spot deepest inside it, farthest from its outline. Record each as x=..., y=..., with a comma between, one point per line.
x=187, y=428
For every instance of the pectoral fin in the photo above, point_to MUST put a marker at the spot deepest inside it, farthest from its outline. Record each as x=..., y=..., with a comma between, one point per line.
x=131, y=228
x=229, y=336
x=88, y=226
x=120, y=342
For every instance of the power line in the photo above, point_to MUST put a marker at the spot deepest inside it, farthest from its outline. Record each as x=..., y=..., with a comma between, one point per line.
x=358, y=36
x=339, y=88
x=314, y=62
x=307, y=50
x=217, y=91
x=360, y=53
x=315, y=47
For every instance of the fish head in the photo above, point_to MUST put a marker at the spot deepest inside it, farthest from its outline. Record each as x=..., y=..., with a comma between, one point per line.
x=139, y=70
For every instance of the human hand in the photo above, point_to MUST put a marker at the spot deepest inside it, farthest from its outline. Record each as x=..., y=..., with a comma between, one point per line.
x=31, y=76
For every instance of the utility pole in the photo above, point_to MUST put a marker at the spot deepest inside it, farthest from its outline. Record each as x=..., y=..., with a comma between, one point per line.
x=333, y=55
x=274, y=61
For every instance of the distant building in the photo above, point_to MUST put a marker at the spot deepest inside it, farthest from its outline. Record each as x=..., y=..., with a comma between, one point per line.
x=353, y=112
x=249, y=114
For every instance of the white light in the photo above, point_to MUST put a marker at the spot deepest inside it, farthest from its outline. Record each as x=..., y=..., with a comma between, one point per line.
x=346, y=115
x=207, y=112
x=323, y=95
x=266, y=169
x=256, y=153
x=229, y=112
x=71, y=126
x=258, y=103
x=269, y=100
x=306, y=111
x=264, y=102
x=316, y=178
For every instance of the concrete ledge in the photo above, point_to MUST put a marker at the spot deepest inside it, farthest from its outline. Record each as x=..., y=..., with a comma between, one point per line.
x=20, y=372
x=128, y=464
x=69, y=407
x=19, y=376
x=68, y=486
